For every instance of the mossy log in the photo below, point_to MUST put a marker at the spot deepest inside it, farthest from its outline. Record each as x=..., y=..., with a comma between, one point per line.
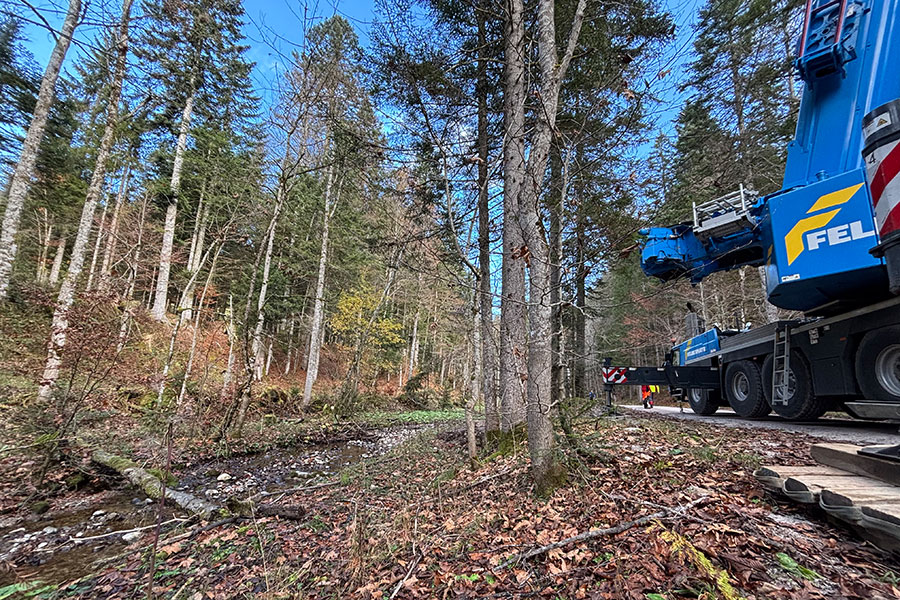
x=152, y=486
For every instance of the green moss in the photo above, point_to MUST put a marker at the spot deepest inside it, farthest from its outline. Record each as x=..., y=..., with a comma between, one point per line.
x=40, y=507
x=506, y=443
x=76, y=481
x=747, y=459
x=119, y=463
x=170, y=479
x=554, y=477
x=377, y=418
x=705, y=454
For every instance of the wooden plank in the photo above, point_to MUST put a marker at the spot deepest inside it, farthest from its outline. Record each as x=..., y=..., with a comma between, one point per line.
x=885, y=512
x=846, y=481
x=806, y=488
x=859, y=497
x=790, y=470
x=882, y=523
x=845, y=456
x=773, y=476
x=847, y=488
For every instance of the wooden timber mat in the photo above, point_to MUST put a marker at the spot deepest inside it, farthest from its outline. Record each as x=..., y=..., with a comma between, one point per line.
x=865, y=499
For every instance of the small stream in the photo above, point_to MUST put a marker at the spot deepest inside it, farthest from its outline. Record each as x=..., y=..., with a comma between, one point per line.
x=61, y=546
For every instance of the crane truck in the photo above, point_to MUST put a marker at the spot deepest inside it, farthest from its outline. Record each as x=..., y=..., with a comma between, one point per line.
x=828, y=240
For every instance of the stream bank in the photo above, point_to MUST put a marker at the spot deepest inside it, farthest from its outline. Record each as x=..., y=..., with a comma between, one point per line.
x=61, y=546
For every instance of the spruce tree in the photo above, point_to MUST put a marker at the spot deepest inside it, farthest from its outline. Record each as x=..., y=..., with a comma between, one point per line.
x=196, y=59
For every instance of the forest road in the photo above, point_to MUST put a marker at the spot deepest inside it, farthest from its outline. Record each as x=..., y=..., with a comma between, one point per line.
x=834, y=430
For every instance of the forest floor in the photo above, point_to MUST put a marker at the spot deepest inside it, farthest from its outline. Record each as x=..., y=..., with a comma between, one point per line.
x=406, y=517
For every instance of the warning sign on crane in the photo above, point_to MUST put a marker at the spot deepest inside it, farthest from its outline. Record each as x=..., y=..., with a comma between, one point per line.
x=615, y=375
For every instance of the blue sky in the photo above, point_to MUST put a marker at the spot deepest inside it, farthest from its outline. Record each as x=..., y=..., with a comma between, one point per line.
x=275, y=27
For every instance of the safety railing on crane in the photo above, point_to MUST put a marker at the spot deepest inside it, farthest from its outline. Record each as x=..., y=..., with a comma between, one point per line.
x=811, y=13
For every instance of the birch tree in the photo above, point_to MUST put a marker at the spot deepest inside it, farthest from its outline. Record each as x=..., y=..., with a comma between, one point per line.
x=60, y=323
x=24, y=171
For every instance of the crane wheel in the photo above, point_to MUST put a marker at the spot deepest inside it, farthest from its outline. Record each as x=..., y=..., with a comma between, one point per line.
x=703, y=402
x=744, y=390
x=878, y=364
x=802, y=404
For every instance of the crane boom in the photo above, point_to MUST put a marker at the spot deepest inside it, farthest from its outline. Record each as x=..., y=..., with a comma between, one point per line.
x=815, y=234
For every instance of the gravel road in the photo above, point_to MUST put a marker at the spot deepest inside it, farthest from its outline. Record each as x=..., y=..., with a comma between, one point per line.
x=835, y=430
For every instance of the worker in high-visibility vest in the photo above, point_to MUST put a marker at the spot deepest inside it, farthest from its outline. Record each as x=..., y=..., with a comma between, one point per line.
x=647, y=396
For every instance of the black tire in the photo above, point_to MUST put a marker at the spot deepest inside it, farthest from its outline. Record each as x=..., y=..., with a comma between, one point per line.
x=878, y=365
x=802, y=405
x=744, y=390
x=703, y=402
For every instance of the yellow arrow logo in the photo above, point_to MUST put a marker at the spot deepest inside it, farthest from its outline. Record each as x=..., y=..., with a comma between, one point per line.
x=793, y=241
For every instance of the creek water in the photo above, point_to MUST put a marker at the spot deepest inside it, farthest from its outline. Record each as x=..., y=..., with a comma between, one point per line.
x=61, y=546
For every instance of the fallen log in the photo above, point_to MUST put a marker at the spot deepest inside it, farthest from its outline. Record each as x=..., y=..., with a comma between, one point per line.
x=248, y=508
x=152, y=486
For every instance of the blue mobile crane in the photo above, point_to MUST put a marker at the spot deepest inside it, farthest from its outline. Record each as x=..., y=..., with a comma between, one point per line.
x=829, y=241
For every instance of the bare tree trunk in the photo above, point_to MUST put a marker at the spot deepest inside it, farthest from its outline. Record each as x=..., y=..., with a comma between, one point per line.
x=130, y=303
x=197, y=219
x=112, y=238
x=269, y=355
x=232, y=338
x=474, y=383
x=242, y=403
x=56, y=268
x=152, y=486
x=558, y=172
x=413, y=347
x=196, y=333
x=256, y=348
x=174, y=337
x=160, y=300
x=165, y=253
x=60, y=323
x=315, y=339
x=196, y=249
x=742, y=312
x=99, y=240
x=290, y=349
x=486, y=309
x=148, y=304
x=771, y=311
x=581, y=274
x=45, y=231
x=24, y=172
x=513, y=369
x=545, y=468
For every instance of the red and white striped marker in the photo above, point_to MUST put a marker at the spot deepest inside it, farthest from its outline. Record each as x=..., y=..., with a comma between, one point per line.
x=882, y=168
x=615, y=375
